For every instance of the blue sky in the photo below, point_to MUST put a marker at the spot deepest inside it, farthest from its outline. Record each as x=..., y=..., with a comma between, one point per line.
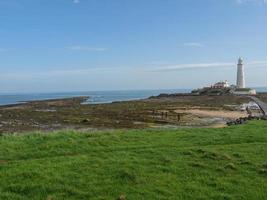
x=81, y=45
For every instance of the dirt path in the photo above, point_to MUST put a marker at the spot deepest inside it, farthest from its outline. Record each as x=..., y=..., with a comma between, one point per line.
x=261, y=104
x=212, y=113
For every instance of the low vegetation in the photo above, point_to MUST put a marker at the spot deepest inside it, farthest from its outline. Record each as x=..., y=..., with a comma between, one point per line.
x=227, y=163
x=154, y=112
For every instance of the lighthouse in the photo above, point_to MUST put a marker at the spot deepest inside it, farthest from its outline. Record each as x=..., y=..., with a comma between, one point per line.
x=240, y=82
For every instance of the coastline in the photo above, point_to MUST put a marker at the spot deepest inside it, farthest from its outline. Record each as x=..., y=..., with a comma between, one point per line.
x=162, y=111
x=80, y=99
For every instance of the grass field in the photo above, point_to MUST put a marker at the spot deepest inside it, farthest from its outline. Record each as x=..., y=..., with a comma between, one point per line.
x=228, y=163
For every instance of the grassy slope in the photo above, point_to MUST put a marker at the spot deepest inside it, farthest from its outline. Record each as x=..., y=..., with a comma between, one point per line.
x=228, y=163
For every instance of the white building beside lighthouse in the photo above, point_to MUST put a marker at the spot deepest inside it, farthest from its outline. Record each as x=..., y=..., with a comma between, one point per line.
x=240, y=81
x=223, y=87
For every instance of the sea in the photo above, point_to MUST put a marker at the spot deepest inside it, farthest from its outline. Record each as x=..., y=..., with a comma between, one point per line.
x=96, y=97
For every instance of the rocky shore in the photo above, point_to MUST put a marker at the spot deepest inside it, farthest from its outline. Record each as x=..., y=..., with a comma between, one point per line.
x=176, y=110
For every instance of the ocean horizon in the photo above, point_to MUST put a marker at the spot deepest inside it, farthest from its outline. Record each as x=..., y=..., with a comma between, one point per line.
x=96, y=97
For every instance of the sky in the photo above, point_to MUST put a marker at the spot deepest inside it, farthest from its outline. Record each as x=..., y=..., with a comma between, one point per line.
x=93, y=45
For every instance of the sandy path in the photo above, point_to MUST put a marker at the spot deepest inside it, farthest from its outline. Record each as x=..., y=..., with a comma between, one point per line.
x=214, y=113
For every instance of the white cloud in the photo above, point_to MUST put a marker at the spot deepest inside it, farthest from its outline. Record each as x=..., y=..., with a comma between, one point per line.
x=76, y=1
x=86, y=48
x=192, y=66
x=193, y=44
x=140, y=69
x=258, y=62
x=28, y=75
x=128, y=77
x=178, y=67
x=262, y=2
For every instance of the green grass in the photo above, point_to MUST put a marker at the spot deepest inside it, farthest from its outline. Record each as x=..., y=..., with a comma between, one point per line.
x=229, y=163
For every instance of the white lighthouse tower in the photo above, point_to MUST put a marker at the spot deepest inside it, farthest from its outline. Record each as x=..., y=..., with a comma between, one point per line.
x=240, y=82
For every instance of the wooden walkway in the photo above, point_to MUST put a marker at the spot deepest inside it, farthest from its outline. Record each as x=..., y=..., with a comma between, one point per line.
x=261, y=104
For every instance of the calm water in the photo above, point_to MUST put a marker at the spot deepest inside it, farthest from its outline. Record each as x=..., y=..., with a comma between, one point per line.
x=95, y=97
